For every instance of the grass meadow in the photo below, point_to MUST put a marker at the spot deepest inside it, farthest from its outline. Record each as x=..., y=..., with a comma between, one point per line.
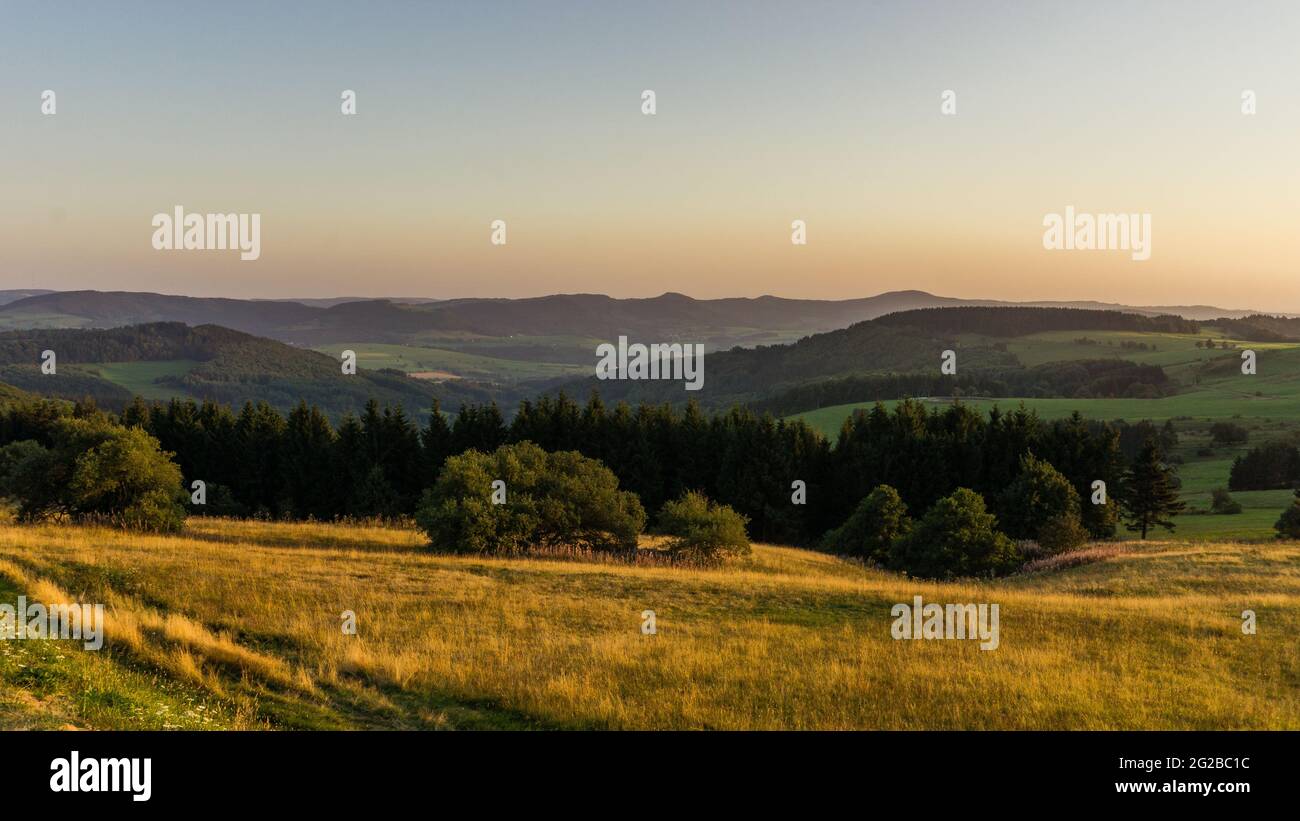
x=457, y=364
x=237, y=624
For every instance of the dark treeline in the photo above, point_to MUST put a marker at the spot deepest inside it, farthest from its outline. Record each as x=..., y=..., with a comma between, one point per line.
x=1021, y=321
x=1261, y=328
x=1092, y=378
x=1133, y=436
x=1272, y=466
x=258, y=462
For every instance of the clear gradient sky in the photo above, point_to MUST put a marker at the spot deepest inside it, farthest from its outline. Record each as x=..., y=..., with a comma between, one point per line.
x=767, y=112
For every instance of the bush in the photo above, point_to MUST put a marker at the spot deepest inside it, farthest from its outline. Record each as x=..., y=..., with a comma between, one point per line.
x=1288, y=525
x=95, y=471
x=1227, y=433
x=1222, y=502
x=956, y=537
x=1040, y=497
x=701, y=530
x=879, y=519
x=1061, y=533
x=560, y=499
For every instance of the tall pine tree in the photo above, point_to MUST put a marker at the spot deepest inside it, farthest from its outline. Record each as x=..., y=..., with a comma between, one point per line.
x=1150, y=498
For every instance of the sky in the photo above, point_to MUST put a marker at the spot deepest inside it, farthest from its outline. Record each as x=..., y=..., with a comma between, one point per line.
x=766, y=113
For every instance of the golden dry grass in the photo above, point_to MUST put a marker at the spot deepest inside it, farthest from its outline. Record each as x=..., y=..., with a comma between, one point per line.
x=249, y=612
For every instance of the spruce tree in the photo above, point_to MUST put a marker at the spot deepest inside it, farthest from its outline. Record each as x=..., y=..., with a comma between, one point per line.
x=306, y=463
x=436, y=442
x=1150, y=497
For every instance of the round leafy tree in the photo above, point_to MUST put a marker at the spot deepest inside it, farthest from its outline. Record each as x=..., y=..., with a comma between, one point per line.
x=561, y=499
x=1041, y=504
x=95, y=471
x=956, y=537
x=701, y=530
x=879, y=519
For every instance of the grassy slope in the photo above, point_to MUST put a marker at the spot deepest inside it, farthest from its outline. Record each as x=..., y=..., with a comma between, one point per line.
x=243, y=618
x=411, y=359
x=1271, y=394
x=138, y=377
x=58, y=685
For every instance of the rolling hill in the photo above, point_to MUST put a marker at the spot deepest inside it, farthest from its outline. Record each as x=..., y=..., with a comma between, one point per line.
x=325, y=321
x=165, y=359
x=521, y=345
x=718, y=323
x=899, y=354
x=14, y=295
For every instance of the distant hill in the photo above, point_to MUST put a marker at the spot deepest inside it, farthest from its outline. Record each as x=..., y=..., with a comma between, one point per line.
x=462, y=323
x=719, y=322
x=330, y=302
x=1262, y=328
x=900, y=352
x=163, y=359
x=522, y=346
x=114, y=309
x=12, y=296
x=1022, y=321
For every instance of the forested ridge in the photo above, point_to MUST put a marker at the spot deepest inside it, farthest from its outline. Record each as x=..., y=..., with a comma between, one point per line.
x=230, y=366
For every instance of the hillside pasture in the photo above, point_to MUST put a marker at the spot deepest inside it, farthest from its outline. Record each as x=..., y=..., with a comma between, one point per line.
x=237, y=624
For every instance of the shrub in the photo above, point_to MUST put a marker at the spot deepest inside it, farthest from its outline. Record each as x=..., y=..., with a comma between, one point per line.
x=1288, y=525
x=561, y=499
x=1222, y=502
x=879, y=519
x=956, y=537
x=1061, y=533
x=701, y=530
x=95, y=471
x=1227, y=433
x=1038, y=498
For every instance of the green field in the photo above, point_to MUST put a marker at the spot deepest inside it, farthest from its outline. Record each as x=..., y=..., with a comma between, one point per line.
x=1267, y=404
x=20, y=322
x=1174, y=352
x=138, y=377
x=412, y=359
x=1272, y=394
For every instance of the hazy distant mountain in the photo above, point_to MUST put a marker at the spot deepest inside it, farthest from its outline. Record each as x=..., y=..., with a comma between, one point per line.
x=12, y=296
x=1199, y=312
x=718, y=323
x=164, y=359
x=330, y=302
